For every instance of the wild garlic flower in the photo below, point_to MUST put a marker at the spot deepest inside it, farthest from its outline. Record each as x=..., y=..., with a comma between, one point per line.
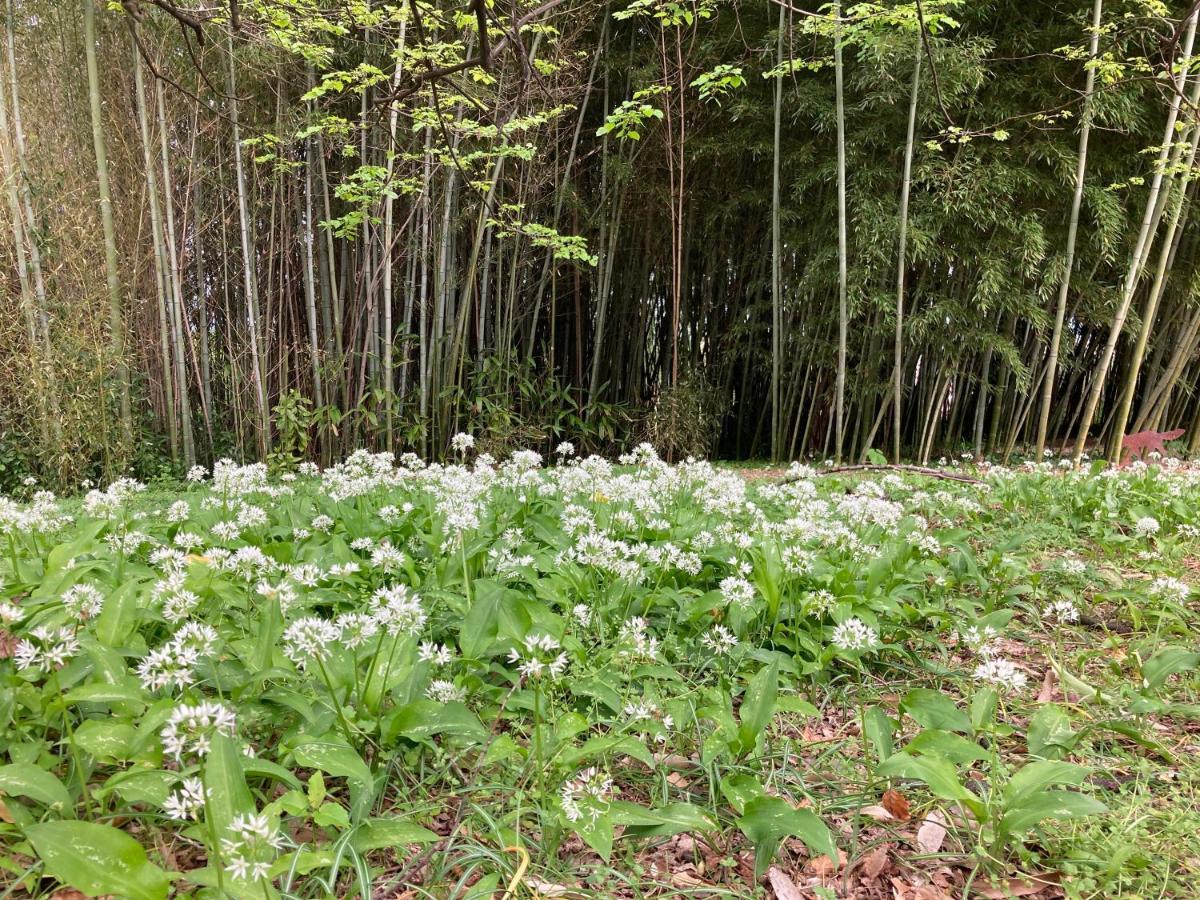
x=397, y=611
x=322, y=523
x=1146, y=526
x=587, y=794
x=251, y=847
x=443, y=691
x=720, y=640
x=307, y=640
x=10, y=613
x=190, y=728
x=819, y=603
x=637, y=640
x=83, y=601
x=1170, y=589
x=854, y=634
x=46, y=649
x=737, y=592
x=197, y=474
x=1062, y=611
x=387, y=558
x=462, y=442
x=227, y=530
x=174, y=663
x=356, y=628
x=582, y=614
x=178, y=512
x=362, y=544
x=187, y=802
x=979, y=639
x=438, y=654
x=1002, y=673
x=536, y=657
x=565, y=449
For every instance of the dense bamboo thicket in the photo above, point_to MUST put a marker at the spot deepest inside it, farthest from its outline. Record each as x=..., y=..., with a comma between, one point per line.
x=286, y=228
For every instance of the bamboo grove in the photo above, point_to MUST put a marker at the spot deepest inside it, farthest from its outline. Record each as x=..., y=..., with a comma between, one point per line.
x=284, y=229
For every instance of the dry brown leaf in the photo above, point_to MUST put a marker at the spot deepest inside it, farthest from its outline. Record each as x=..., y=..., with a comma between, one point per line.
x=546, y=889
x=686, y=878
x=784, y=887
x=824, y=866
x=70, y=894
x=677, y=780
x=1049, y=683
x=897, y=804
x=874, y=865
x=1029, y=886
x=932, y=832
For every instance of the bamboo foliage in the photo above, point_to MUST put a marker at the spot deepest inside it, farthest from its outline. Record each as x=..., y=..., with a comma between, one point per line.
x=871, y=225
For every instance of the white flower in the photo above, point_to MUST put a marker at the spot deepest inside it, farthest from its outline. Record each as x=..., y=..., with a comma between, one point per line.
x=84, y=601
x=178, y=511
x=1172, y=589
x=445, y=691
x=10, y=613
x=582, y=613
x=638, y=642
x=565, y=449
x=720, y=640
x=307, y=640
x=397, y=611
x=854, y=634
x=1146, y=526
x=438, y=654
x=537, y=657
x=462, y=442
x=737, y=591
x=251, y=846
x=191, y=727
x=1001, y=672
x=1062, y=610
x=197, y=473
x=980, y=639
x=322, y=523
x=356, y=628
x=187, y=802
x=46, y=649
x=588, y=793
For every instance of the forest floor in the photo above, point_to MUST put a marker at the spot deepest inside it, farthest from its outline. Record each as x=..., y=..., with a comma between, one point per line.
x=594, y=681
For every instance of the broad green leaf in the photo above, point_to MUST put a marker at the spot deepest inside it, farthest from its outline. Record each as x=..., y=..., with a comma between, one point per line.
x=1165, y=663
x=939, y=775
x=758, y=706
x=396, y=833
x=105, y=740
x=767, y=820
x=26, y=780
x=342, y=761
x=422, y=719
x=947, y=745
x=119, y=615
x=878, y=728
x=1038, y=775
x=1050, y=734
x=932, y=709
x=675, y=818
x=1036, y=807
x=97, y=859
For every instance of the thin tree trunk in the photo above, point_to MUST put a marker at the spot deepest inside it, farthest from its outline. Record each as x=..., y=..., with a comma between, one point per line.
x=843, y=314
x=1140, y=252
x=902, y=261
x=116, y=321
x=249, y=274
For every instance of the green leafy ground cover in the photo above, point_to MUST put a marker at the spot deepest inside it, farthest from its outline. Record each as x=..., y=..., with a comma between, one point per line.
x=579, y=679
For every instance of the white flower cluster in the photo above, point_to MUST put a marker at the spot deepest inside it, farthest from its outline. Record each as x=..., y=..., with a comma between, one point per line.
x=190, y=728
